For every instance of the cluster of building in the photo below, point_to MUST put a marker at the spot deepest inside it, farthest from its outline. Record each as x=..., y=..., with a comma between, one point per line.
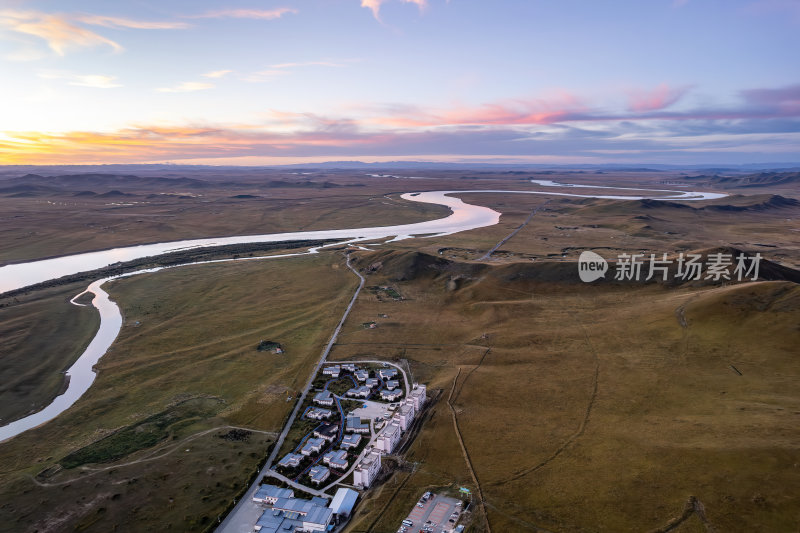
x=369, y=467
x=321, y=445
x=285, y=513
x=389, y=387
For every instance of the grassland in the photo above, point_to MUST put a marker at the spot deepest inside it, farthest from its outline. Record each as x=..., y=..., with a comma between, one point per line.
x=593, y=408
x=189, y=334
x=563, y=406
x=42, y=335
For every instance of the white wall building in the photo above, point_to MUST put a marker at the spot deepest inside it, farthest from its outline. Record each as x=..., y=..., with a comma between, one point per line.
x=418, y=396
x=389, y=438
x=367, y=470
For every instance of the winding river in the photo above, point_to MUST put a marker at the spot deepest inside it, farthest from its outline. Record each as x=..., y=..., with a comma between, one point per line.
x=81, y=374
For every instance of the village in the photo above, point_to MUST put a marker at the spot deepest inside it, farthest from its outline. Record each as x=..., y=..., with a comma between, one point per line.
x=355, y=414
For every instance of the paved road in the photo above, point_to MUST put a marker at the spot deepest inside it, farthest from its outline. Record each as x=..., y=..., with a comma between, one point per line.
x=244, y=516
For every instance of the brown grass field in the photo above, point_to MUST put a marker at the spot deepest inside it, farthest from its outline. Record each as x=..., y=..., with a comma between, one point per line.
x=180, y=350
x=581, y=408
x=594, y=410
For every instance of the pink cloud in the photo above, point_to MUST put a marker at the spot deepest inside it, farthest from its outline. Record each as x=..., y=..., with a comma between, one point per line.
x=510, y=112
x=657, y=99
x=375, y=5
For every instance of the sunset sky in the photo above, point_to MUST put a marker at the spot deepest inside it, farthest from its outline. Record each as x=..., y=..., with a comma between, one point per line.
x=263, y=82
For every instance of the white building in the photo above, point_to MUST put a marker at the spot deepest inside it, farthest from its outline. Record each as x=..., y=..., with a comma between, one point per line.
x=290, y=460
x=324, y=398
x=312, y=446
x=336, y=459
x=350, y=367
x=391, y=395
x=319, y=474
x=392, y=384
x=367, y=470
x=332, y=371
x=389, y=438
x=317, y=413
x=327, y=432
x=355, y=425
x=360, y=392
x=361, y=375
x=418, y=396
x=404, y=416
x=269, y=494
x=387, y=373
x=350, y=440
x=292, y=514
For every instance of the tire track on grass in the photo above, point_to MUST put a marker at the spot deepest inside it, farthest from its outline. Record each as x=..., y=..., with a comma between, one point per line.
x=464, y=452
x=584, y=421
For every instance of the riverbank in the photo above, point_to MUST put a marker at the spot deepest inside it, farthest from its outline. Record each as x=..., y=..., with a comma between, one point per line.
x=182, y=257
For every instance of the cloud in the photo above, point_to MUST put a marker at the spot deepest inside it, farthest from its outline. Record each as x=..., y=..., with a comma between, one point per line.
x=375, y=5
x=787, y=9
x=785, y=99
x=307, y=64
x=263, y=14
x=63, y=32
x=264, y=75
x=216, y=73
x=659, y=98
x=562, y=106
x=764, y=125
x=186, y=87
x=60, y=34
x=97, y=81
x=120, y=22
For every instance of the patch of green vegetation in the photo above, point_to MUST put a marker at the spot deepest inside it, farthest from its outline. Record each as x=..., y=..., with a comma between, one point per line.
x=385, y=291
x=270, y=346
x=144, y=434
x=341, y=386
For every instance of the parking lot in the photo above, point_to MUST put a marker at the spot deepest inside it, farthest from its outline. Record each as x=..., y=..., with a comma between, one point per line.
x=433, y=515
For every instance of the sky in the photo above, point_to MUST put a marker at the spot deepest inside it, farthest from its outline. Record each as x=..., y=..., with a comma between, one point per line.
x=259, y=82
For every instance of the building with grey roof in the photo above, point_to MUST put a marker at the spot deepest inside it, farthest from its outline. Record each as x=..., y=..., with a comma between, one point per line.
x=351, y=440
x=336, y=459
x=319, y=473
x=270, y=493
x=391, y=395
x=290, y=460
x=312, y=446
x=289, y=515
x=318, y=413
x=386, y=373
x=355, y=425
x=343, y=502
x=332, y=371
x=324, y=398
x=359, y=392
x=327, y=432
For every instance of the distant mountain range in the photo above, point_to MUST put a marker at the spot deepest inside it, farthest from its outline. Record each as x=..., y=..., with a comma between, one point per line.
x=16, y=170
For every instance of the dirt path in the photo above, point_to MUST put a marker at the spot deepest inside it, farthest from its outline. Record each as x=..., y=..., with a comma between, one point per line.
x=464, y=448
x=505, y=239
x=692, y=506
x=584, y=421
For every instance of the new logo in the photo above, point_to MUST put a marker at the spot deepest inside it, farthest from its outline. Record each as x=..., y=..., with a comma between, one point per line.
x=591, y=266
